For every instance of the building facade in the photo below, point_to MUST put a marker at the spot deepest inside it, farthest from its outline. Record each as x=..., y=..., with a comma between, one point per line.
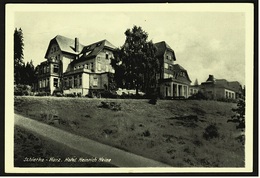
x=71, y=67
x=221, y=89
x=173, y=79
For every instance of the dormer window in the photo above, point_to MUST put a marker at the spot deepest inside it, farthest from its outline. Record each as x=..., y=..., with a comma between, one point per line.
x=87, y=53
x=55, y=69
x=166, y=66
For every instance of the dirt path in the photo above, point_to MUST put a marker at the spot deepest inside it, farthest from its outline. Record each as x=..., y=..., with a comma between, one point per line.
x=118, y=157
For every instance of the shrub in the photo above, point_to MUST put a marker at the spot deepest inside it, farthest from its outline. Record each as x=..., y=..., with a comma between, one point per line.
x=111, y=105
x=146, y=133
x=198, y=96
x=239, y=117
x=227, y=100
x=211, y=132
x=153, y=101
x=58, y=94
x=22, y=90
x=108, y=94
x=93, y=93
x=70, y=95
x=43, y=93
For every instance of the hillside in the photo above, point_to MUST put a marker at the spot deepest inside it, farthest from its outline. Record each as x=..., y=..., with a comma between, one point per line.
x=170, y=131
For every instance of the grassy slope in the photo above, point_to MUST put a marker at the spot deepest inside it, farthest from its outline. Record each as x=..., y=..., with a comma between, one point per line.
x=147, y=130
x=30, y=145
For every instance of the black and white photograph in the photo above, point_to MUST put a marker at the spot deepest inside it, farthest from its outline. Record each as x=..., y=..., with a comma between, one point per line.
x=129, y=88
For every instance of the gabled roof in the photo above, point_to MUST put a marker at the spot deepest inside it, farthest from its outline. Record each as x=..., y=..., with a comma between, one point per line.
x=92, y=50
x=96, y=47
x=162, y=47
x=223, y=83
x=178, y=68
x=235, y=85
x=65, y=44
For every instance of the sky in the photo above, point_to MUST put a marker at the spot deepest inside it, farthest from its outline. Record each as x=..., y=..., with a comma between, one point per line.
x=204, y=42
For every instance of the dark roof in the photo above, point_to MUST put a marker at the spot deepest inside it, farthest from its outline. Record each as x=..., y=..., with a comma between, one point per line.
x=162, y=47
x=92, y=50
x=178, y=68
x=66, y=45
x=223, y=83
x=235, y=85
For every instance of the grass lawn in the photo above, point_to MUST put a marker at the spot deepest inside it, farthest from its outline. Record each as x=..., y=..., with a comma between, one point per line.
x=170, y=131
x=28, y=145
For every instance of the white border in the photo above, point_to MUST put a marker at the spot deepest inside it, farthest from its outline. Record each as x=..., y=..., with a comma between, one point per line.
x=247, y=8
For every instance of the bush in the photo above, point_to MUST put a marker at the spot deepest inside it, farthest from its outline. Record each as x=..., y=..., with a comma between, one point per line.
x=239, y=117
x=93, y=93
x=43, y=93
x=227, y=100
x=198, y=96
x=111, y=105
x=211, y=132
x=146, y=133
x=70, y=95
x=22, y=90
x=108, y=94
x=58, y=94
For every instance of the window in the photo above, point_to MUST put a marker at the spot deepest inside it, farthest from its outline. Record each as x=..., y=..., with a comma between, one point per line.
x=98, y=44
x=44, y=69
x=80, y=80
x=70, y=82
x=55, y=82
x=47, y=82
x=166, y=75
x=48, y=69
x=55, y=68
x=226, y=94
x=43, y=83
x=75, y=81
x=166, y=66
x=95, y=82
x=40, y=83
x=99, y=66
x=106, y=55
x=91, y=65
x=87, y=66
x=169, y=57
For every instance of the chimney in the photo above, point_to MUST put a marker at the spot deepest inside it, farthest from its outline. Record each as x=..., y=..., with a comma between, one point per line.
x=76, y=44
x=211, y=78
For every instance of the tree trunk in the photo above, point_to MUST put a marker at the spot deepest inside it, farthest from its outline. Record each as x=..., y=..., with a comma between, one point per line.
x=137, y=88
